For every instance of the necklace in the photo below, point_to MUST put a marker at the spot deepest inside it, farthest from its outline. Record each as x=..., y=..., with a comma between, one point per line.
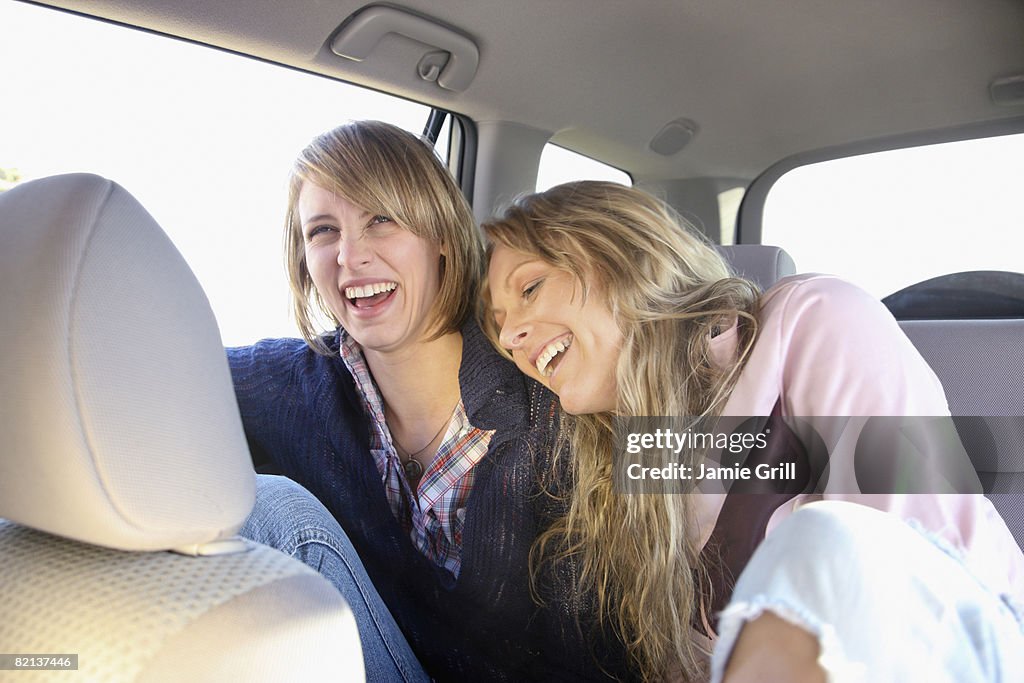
x=413, y=468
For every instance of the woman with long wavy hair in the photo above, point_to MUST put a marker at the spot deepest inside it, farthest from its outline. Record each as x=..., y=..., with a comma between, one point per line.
x=601, y=293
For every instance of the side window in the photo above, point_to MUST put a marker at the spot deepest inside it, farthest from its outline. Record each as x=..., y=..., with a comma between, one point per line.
x=892, y=219
x=442, y=147
x=728, y=210
x=203, y=138
x=559, y=165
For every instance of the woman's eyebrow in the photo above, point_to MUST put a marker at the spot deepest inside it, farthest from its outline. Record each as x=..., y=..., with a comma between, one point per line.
x=318, y=217
x=508, y=278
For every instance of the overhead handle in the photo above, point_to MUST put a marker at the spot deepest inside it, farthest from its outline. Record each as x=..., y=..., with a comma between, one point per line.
x=361, y=33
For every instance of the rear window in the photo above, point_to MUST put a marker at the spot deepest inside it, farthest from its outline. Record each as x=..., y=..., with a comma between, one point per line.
x=560, y=165
x=892, y=219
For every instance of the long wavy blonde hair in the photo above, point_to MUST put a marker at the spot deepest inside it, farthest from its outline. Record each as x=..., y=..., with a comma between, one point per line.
x=670, y=292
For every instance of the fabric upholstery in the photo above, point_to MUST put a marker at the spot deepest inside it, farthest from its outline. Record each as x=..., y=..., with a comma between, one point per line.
x=113, y=374
x=763, y=264
x=980, y=362
x=122, y=440
x=981, y=365
x=167, y=617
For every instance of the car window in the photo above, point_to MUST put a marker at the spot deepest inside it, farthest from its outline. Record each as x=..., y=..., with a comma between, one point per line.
x=203, y=138
x=728, y=210
x=891, y=219
x=559, y=165
x=444, y=139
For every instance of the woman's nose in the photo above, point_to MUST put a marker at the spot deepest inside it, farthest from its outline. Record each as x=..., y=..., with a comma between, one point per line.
x=513, y=334
x=353, y=253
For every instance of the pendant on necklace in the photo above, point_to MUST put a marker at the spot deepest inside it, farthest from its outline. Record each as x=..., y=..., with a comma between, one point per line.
x=413, y=469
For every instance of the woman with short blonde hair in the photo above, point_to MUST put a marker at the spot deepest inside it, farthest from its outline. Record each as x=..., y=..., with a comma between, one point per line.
x=377, y=165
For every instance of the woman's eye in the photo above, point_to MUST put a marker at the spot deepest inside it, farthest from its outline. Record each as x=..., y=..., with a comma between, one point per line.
x=317, y=230
x=378, y=221
x=531, y=288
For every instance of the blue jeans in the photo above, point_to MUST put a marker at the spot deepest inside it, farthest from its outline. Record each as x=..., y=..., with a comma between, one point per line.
x=289, y=518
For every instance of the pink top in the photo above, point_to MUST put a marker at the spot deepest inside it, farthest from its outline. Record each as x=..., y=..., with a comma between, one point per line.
x=827, y=348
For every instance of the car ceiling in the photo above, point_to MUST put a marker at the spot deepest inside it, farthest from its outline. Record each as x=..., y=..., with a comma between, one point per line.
x=762, y=80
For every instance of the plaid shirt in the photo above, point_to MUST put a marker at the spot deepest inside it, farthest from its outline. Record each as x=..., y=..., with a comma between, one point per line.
x=435, y=514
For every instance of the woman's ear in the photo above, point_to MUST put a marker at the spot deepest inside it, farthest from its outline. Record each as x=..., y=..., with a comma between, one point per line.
x=442, y=261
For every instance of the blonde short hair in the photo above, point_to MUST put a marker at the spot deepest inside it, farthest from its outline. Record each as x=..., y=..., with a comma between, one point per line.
x=384, y=169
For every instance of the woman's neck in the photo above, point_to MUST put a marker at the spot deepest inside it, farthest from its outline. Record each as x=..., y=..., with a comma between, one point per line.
x=419, y=385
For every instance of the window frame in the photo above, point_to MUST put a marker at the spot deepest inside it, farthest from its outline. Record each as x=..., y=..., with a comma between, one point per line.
x=751, y=212
x=632, y=181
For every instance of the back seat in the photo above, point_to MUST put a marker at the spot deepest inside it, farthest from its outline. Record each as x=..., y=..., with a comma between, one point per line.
x=764, y=265
x=981, y=365
x=978, y=357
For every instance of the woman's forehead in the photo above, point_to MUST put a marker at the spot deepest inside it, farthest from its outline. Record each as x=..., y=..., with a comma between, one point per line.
x=505, y=261
x=314, y=198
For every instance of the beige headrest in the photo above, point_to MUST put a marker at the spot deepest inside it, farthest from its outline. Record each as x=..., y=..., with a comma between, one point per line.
x=763, y=264
x=118, y=422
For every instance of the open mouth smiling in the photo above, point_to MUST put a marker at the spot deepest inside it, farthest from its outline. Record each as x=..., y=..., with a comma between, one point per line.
x=369, y=295
x=551, y=355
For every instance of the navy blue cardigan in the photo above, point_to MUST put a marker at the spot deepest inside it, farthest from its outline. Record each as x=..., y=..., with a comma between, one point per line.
x=302, y=414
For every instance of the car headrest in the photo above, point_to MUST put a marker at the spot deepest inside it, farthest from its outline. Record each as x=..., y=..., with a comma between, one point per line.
x=763, y=264
x=971, y=295
x=117, y=415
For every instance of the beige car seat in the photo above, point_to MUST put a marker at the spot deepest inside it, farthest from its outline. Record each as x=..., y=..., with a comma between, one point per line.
x=124, y=472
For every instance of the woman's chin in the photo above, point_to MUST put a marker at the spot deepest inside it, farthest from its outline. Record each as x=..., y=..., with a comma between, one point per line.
x=572, y=402
x=568, y=408
x=576, y=405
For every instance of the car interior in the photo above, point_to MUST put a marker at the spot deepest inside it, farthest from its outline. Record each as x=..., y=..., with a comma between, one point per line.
x=715, y=107
x=126, y=472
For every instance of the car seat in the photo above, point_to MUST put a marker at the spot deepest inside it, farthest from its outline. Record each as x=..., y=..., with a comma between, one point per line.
x=124, y=472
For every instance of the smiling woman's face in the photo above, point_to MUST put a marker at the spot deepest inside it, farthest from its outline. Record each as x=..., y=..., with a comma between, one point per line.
x=378, y=279
x=566, y=343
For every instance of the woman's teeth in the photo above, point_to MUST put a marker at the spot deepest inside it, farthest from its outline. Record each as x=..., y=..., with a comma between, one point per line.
x=549, y=353
x=369, y=290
